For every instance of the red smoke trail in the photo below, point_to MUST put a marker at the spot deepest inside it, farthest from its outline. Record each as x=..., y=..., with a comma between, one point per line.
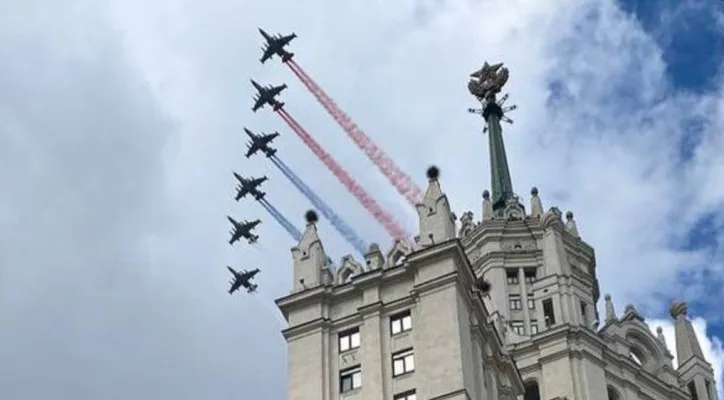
x=401, y=181
x=392, y=227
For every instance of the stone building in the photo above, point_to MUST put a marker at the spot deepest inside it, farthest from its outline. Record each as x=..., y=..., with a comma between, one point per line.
x=502, y=308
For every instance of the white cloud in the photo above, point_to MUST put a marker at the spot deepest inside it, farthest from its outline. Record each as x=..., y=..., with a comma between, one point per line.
x=710, y=345
x=604, y=145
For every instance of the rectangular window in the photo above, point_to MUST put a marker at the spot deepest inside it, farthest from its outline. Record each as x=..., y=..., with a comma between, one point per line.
x=401, y=322
x=550, y=318
x=692, y=391
x=583, y=312
x=533, y=327
x=530, y=275
x=512, y=275
x=349, y=339
x=350, y=379
x=518, y=327
x=403, y=362
x=409, y=395
x=531, y=301
x=514, y=301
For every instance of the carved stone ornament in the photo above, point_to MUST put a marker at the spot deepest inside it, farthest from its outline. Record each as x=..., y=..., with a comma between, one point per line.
x=506, y=393
x=466, y=224
x=513, y=210
x=349, y=359
x=490, y=80
x=474, y=255
x=516, y=245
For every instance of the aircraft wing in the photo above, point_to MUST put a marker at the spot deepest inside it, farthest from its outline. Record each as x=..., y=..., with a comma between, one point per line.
x=276, y=90
x=252, y=273
x=252, y=149
x=241, y=192
x=258, y=104
x=235, y=236
x=258, y=181
x=231, y=270
x=267, y=54
x=235, y=286
x=283, y=41
x=266, y=139
x=251, y=225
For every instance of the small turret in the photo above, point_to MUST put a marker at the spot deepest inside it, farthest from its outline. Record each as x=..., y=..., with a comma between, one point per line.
x=695, y=371
x=436, y=220
x=487, y=206
x=374, y=257
x=610, y=311
x=571, y=225
x=536, y=205
x=311, y=266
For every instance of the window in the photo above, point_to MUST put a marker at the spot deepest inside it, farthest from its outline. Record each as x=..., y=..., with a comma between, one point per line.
x=530, y=275
x=531, y=301
x=512, y=276
x=349, y=340
x=533, y=327
x=409, y=395
x=403, y=362
x=583, y=312
x=514, y=300
x=550, y=317
x=350, y=379
x=400, y=323
x=692, y=391
x=531, y=391
x=518, y=327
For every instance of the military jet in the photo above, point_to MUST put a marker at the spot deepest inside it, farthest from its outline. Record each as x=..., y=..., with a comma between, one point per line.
x=260, y=142
x=243, y=229
x=242, y=278
x=275, y=46
x=267, y=96
x=249, y=186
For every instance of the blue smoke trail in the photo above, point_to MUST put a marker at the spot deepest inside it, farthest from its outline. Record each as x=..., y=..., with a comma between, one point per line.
x=345, y=230
x=283, y=221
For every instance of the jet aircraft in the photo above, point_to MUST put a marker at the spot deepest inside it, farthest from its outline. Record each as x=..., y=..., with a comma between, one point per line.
x=275, y=46
x=243, y=229
x=242, y=278
x=249, y=186
x=260, y=142
x=267, y=95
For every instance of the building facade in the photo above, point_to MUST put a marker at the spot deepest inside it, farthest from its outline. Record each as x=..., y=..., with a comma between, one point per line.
x=501, y=308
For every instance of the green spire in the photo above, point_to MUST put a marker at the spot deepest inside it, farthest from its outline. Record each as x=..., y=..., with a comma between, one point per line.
x=501, y=185
x=486, y=83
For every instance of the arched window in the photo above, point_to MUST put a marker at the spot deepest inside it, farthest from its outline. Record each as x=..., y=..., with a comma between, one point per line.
x=531, y=391
x=612, y=393
x=637, y=356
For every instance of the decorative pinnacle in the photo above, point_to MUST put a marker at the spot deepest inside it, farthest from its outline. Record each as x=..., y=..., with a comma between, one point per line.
x=494, y=106
x=311, y=217
x=433, y=173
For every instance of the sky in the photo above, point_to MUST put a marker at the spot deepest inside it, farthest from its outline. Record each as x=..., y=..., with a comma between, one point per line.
x=121, y=122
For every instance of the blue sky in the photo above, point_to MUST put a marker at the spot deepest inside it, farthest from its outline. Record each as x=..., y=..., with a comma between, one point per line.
x=121, y=120
x=692, y=40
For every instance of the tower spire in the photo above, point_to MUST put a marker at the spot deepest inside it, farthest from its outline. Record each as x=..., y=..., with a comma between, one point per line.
x=485, y=85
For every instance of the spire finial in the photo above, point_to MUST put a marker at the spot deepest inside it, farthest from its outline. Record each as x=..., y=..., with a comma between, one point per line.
x=485, y=85
x=610, y=312
x=311, y=217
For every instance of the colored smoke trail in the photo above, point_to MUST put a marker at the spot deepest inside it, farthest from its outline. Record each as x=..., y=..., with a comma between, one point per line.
x=401, y=181
x=345, y=230
x=392, y=227
x=282, y=220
